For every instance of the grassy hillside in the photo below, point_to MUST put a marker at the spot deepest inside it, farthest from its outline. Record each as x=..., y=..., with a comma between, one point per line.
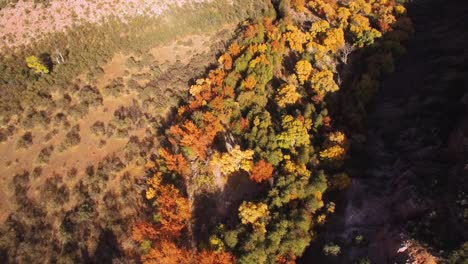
x=74, y=141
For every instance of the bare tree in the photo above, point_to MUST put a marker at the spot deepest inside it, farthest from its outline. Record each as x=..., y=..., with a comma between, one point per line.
x=345, y=51
x=59, y=57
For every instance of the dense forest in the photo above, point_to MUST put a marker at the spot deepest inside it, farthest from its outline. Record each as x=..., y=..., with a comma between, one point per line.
x=238, y=132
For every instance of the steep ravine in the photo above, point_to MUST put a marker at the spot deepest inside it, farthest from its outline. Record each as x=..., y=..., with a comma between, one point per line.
x=409, y=156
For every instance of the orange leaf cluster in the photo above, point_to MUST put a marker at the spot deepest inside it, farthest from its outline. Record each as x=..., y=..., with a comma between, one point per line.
x=168, y=253
x=262, y=171
x=250, y=82
x=226, y=61
x=175, y=163
x=250, y=31
x=142, y=231
x=173, y=209
x=234, y=49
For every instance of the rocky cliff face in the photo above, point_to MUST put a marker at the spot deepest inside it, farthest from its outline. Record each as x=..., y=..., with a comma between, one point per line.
x=413, y=188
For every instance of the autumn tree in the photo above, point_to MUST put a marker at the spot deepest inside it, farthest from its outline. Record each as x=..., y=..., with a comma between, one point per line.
x=334, y=39
x=254, y=214
x=173, y=212
x=226, y=61
x=303, y=70
x=232, y=161
x=249, y=82
x=167, y=252
x=322, y=82
x=287, y=94
x=294, y=134
x=262, y=171
x=296, y=38
x=298, y=5
x=34, y=63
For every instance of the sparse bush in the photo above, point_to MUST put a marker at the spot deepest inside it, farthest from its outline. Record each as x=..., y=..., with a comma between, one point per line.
x=51, y=134
x=37, y=172
x=102, y=143
x=90, y=96
x=44, y=154
x=72, y=138
x=115, y=88
x=25, y=141
x=331, y=249
x=98, y=128
x=72, y=173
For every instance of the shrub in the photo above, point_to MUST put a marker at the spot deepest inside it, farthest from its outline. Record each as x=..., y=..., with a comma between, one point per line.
x=72, y=138
x=98, y=128
x=44, y=154
x=331, y=249
x=25, y=141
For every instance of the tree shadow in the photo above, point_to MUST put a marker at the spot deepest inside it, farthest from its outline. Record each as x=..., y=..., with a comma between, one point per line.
x=222, y=206
x=107, y=248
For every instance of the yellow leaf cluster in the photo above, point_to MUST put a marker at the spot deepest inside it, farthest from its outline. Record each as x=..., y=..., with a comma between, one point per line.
x=360, y=6
x=399, y=9
x=34, y=63
x=262, y=59
x=318, y=50
x=303, y=70
x=359, y=24
x=253, y=213
x=333, y=153
x=154, y=183
x=322, y=82
x=342, y=15
x=331, y=207
x=323, y=8
x=334, y=39
x=233, y=160
x=200, y=86
x=337, y=137
x=287, y=94
x=296, y=38
x=320, y=26
x=298, y=169
x=298, y=5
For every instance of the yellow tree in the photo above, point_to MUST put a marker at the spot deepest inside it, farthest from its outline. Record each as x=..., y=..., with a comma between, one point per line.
x=342, y=16
x=303, y=70
x=232, y=161
x=361, y=6
x=324, y=8
x=333, y=153
x=334, y=39
x=287, y=94
x=322, y=82
x=298, y=5
x=296, y=38
x=295, y=168
x=34, y=63
x=295, y=133
x=318, y=27
x=254, y=214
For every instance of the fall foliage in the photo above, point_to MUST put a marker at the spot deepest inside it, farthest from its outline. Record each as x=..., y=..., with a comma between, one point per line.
x=34, y=63
x=262, y=171
x=262, y=113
